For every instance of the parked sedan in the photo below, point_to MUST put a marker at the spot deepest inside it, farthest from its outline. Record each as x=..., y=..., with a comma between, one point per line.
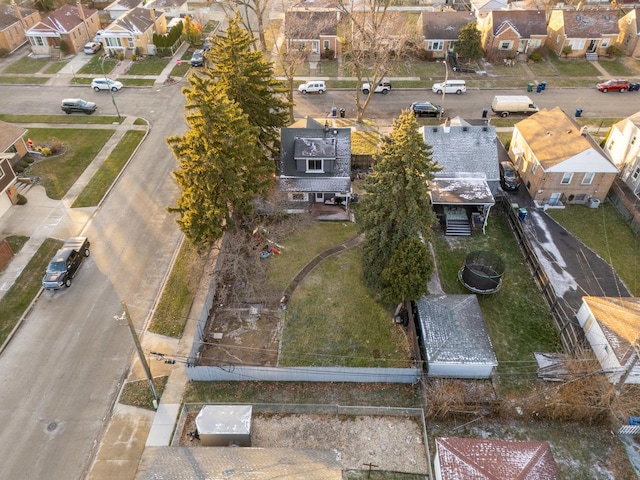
x=197, y=59
x=70, y=105
x=426, y=109
x=105, y=84
x=92, y=47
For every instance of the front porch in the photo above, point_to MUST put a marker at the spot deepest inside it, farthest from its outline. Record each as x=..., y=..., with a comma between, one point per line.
x=324, y=212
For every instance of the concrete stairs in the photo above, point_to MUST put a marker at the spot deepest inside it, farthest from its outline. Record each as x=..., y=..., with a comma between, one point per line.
x=457, y=227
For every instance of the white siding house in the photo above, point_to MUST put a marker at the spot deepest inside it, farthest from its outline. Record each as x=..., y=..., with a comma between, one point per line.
x=623, y=148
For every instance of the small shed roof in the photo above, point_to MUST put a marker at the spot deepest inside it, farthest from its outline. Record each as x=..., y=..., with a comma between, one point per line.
x=224, y=419
x=476, y=458
x=453, y=330
x=462, y=191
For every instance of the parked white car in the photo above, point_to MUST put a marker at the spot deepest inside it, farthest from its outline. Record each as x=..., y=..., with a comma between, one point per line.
x=315, y=86
x=92, y=47
x=105, y=84
x=383, y=87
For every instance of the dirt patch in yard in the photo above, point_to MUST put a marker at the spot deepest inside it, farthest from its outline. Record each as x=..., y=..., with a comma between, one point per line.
x=392, y=443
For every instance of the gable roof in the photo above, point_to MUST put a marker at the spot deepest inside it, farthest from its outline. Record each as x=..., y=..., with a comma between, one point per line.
x=445, y=25
x=8, y=15
x=9, y=135
x=123, y=5
x=461, y=148
x=527, y=23
x=137, y=20
x=489, y=4
x=170, y=4
x=66, y=18
x=481, y=459
x=301, y=24
x=556, y=139
x=589, y=23
x=620, y=322
x=453, y=330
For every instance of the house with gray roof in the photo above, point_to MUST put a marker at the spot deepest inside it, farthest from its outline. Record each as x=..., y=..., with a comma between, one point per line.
x=507, y=33
x=120, y=7
x=455, y=339
x=440, y=30
x=587, y=32
x=462, y=193
x=493, y=459
x=171, y=8
x=133, y=32
x=313, y=31
x=315, y=165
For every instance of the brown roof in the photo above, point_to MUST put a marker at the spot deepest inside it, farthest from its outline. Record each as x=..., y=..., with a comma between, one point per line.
x=9, y=135
x=590, y=23
x=309, y=25
x=620, y=321
x=445, y=25
x=478, y=459
x=8, y=15
x=526, y=22
x=67, y=18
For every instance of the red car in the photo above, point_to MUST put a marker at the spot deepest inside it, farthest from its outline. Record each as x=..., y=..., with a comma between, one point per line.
x=617, y=85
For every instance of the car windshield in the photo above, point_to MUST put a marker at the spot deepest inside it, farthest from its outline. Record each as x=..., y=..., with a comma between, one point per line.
x=81, y=103
x=57, y=267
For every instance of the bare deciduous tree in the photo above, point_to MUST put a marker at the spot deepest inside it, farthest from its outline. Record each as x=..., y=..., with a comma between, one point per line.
x=258, y=9
x=375, y=38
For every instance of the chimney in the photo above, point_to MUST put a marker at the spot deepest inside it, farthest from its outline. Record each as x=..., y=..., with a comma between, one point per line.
x=152, y=11
x=80, y=10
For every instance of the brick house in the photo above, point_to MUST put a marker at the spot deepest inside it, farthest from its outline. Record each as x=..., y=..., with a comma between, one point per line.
x=585, y=31
x=12, y=149
x=133, y=32
x=629, y=27
x=507, y=33
x=559, y=162
x=14, y=21
x=440, y=30
x=313, y=31
x=73, y=25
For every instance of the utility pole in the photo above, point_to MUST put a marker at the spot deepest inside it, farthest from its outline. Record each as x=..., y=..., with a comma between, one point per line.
x=143, y=360
x=113, y=98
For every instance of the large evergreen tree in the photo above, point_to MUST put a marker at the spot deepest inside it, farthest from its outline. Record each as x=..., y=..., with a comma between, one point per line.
x=469, y=44
x=246, y=77
x=221, y=166
x=396, y=207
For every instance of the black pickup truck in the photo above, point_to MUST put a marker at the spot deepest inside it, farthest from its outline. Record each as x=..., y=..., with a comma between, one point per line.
x=65, y=263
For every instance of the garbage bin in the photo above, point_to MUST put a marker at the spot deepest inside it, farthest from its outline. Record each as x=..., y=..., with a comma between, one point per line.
x=334, y=112
x=485, y=112
x=539, y=88
x=342, y=112
x=578, y=112
x=543, y=85
x=522, y=214
x=530, y=87
x=634, y=87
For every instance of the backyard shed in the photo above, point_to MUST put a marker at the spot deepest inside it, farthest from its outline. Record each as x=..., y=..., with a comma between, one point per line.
x=224, y=425
x=454, y=337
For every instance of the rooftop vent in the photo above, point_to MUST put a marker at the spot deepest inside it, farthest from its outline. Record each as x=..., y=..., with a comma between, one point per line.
x=569, y=131
x=465, y=129
x=485, y=129
x=435, y=129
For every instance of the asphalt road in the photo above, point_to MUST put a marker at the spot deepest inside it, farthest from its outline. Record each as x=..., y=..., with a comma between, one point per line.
x=60, y=375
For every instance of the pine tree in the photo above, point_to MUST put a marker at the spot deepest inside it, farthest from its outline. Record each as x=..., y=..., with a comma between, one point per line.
x=408, y=272
x=221, y=167
x=247, y=78
x=469, y=44
x=396, y=206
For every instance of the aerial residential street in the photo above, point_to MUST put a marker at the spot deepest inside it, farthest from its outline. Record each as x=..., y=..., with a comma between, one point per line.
x=60, y=375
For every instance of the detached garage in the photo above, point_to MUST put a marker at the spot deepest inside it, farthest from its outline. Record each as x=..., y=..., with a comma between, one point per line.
x=454, y=337
x=224, y=425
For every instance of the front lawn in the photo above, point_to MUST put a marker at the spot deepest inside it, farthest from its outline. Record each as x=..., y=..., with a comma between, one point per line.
x=27, y=65
x=96, y=66
x=150, y=65
x=59, y=172
x=573, y=67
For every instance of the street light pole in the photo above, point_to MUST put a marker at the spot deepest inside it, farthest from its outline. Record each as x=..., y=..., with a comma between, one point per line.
x=444, y=87
x=113, y=98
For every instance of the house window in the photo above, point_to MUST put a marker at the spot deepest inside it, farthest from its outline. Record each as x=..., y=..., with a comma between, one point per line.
x=112, y=42
x=315, y=46
x=566, y=178
x=37, y=41
x=534, y=168
x=298, y=197
x=314, y=165
x=588, y=178
x=506, y=45
x=326, y=45
x=437, y=45
x=577, y=44
x=611, y=144
x=581, y=197
x=636, y=173
x=605, y=43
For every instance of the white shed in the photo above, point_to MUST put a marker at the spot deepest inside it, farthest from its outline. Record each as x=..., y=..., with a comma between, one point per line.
x=224, y=425
x=612, y=327
x=454, y=337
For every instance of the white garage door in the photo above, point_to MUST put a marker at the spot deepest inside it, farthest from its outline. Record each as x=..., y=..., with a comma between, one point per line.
x=5, y=203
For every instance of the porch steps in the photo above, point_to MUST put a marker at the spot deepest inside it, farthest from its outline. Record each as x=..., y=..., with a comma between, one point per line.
x=458, y=227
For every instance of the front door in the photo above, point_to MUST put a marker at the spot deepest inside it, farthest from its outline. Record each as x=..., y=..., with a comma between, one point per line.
x=319, y=197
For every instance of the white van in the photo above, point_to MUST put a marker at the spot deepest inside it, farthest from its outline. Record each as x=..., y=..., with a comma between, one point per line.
x=315, y=86
x=450, y=86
